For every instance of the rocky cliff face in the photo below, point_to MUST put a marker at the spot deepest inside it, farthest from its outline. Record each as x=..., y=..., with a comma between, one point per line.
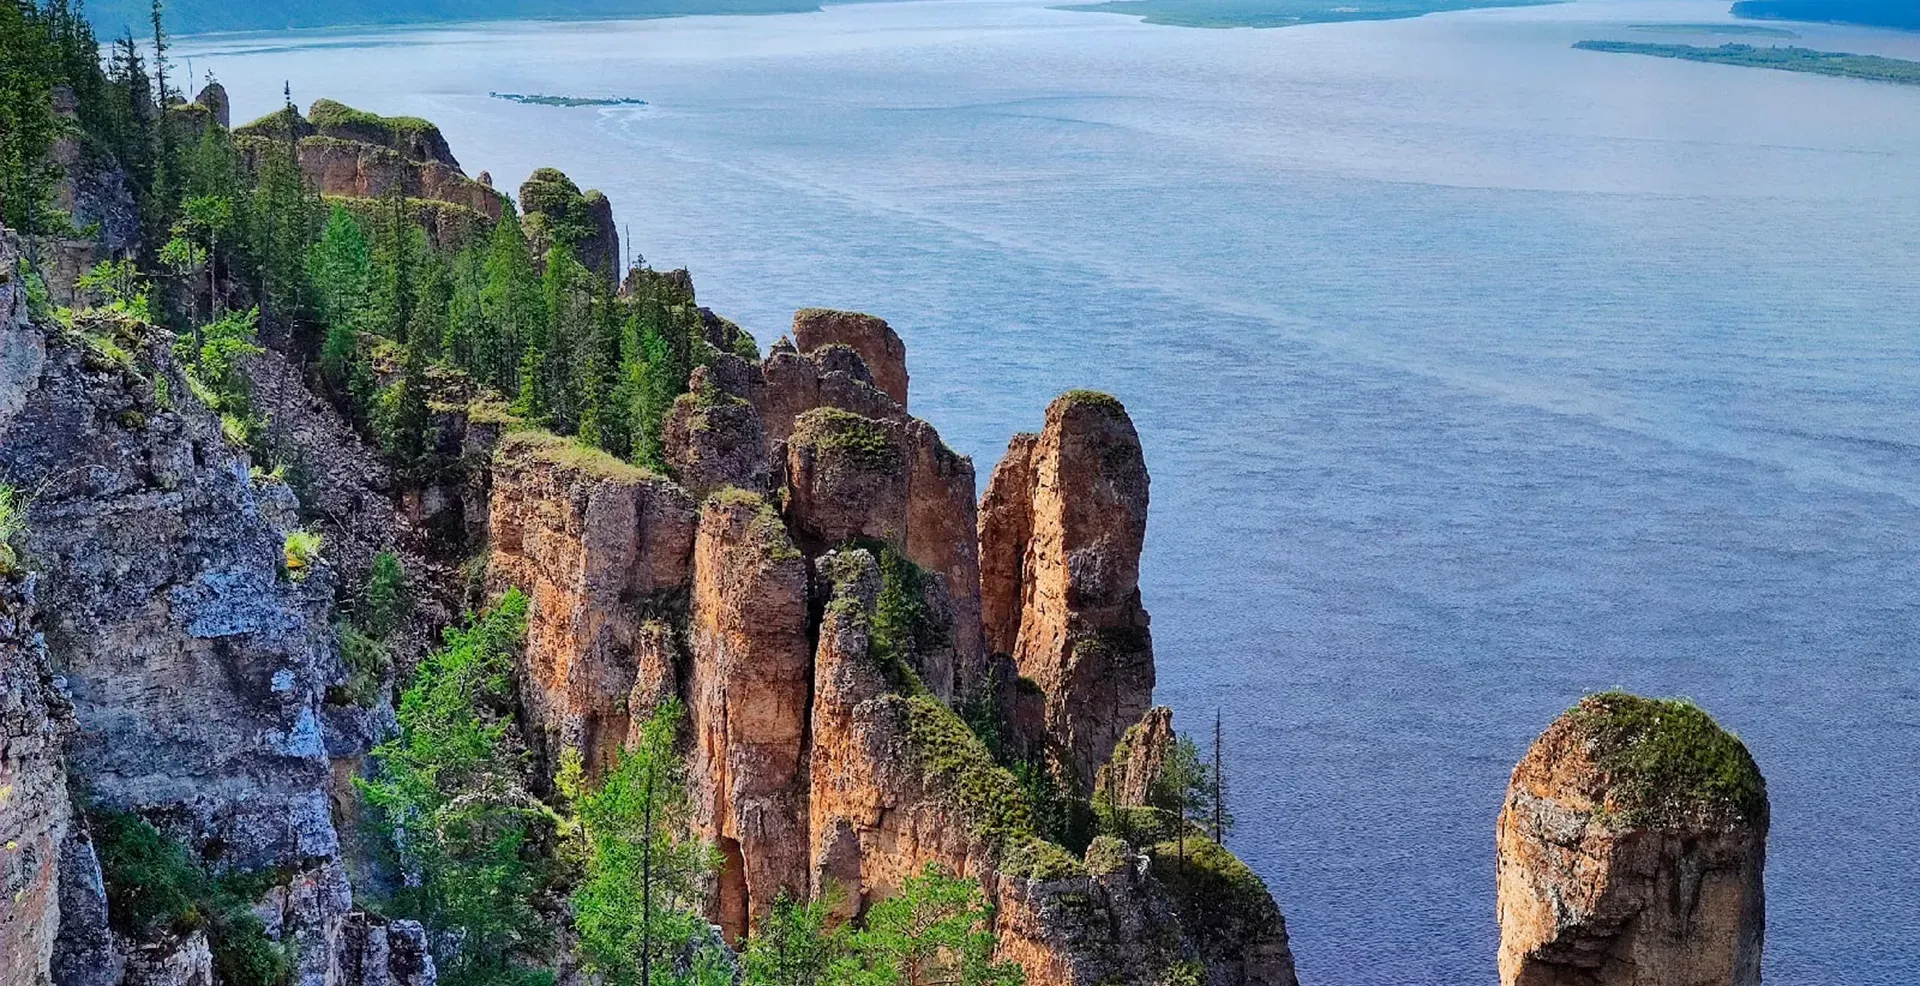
x=34, y=813
x=825, y=756
x=747, y=692
x=1061, y=529
x=876, y=342
x=196, y=662
x=1631, y=851
x=600, y=548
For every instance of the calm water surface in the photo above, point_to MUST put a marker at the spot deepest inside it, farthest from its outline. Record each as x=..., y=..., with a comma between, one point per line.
x=1475, y=373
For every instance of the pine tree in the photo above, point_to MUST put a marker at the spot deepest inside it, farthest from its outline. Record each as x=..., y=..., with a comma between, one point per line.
x=510, y=308
x=27, y=125
x=286, y=216
x=935, y=931
x=636, y=906
x=340, y=265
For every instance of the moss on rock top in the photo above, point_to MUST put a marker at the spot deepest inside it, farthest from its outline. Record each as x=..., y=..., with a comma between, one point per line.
x=866, y=442
x=1668, y=762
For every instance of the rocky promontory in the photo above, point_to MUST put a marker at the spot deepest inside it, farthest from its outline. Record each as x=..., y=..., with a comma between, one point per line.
x=1631, y=851
x=393, y=613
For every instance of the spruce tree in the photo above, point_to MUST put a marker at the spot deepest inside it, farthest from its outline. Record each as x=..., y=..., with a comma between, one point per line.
x=27, y=124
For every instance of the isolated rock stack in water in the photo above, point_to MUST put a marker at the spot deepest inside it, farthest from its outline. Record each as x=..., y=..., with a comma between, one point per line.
x=1631, y=852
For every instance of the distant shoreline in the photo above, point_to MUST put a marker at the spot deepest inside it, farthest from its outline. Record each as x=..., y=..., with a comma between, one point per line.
x=1839, y=64
x=1285, y=13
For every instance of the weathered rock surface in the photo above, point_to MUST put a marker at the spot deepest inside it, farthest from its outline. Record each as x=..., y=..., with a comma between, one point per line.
x=876, y=342
x=1075, y=513
x=846, y=479
x=371, y=951
x=598, y=546
x=1631, y=852
x=793, y=384
x=712, y=439
x=898, y=782
x=213, y=96
x=1129, y=777
x=747, y=693
x=196, y=665
x=554, y=210
x=34, y=813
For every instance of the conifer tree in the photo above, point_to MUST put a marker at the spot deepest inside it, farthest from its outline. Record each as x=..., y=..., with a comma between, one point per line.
x=27, y=124
x=636, y=906
x=510, y=308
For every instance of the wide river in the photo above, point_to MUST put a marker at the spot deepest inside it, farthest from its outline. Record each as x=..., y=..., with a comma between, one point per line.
x=1475, y=373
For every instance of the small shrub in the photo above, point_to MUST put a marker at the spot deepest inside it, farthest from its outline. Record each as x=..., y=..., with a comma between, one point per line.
x=155, y=887
x=385, y=603
x=302, y=551
x=13, y=523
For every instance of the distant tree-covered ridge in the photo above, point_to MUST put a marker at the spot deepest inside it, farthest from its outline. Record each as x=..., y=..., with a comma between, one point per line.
x=1903, y=14
x=113, y=17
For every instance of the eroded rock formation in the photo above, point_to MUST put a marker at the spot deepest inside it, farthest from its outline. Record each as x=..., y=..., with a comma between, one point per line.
x=34, y=813
x=196, y=659
x=876, y=342
x=599, y=547
x=747, y=692
x=1631, y=851
x=1061, y=529
x=554, y=210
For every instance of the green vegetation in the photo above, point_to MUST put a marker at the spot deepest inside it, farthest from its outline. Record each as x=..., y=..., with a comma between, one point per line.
x=866, y=442
x=1900, y=14
x=541, y=100
x=450, y=793
x=326, y=114
x=1092, y=398
x=988, y=796
x=935, y=930
x=1873, y=68
x=13, y=523
x=386, y=602
x=638, y=903
x=301, y=551
x=1669, y=763
x=1284, y=13
x=156, y=887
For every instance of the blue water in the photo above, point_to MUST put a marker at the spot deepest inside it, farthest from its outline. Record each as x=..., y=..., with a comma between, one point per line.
x=1475, y=373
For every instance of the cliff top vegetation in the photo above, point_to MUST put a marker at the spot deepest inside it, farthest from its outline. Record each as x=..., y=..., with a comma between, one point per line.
x=1670, y=763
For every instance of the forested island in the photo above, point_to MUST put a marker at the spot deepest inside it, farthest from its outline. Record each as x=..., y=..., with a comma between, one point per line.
x=537, y=99
x=1875, y=68
x=1285, y=13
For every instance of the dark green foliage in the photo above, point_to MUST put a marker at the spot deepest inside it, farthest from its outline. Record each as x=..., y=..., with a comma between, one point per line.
x=639, y=901
x=796, y=944
x=935, y=931
x=450, y=789
x=156, y=887
x=902, y=624
x=386, y=602
x=29, y=68
x=1669, y=763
